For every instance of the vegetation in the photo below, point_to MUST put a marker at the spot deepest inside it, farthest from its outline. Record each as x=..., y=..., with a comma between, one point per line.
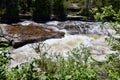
x=59, y=9
x=25, y=6
x=79, y=64
x=76, y=66
x=11, y=12
x=4, y=61
x=42, y=10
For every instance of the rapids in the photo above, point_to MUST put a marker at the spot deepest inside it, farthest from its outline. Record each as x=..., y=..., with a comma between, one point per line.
x=93, y=37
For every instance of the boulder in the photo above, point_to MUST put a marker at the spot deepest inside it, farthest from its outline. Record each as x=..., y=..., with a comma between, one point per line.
x=18, y=35
x=75, y=27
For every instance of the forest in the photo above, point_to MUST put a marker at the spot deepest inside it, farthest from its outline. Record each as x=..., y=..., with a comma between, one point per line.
x=79, y=64
x=41, y=10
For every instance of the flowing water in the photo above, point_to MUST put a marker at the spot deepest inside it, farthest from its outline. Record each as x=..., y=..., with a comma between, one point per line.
x=90, y=34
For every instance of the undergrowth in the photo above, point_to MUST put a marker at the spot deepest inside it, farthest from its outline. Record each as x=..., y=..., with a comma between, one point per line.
x=76, y=67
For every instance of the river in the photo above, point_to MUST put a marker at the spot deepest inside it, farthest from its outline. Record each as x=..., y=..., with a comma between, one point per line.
x=90, y=34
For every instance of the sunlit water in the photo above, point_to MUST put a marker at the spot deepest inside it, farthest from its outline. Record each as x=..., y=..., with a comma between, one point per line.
x=94, y=39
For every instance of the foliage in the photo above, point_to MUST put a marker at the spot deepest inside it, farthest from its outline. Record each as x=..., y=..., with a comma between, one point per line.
x=25, y=6
x=11, y=11
x=26, y=71
x=59, y=9
x=4, y=60
x=42, y=10
x=114, y=40
x=107, y=14
x=76, y=66
x=112, y=64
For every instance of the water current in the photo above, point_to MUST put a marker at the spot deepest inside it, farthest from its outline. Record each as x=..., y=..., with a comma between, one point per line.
x=89, y=34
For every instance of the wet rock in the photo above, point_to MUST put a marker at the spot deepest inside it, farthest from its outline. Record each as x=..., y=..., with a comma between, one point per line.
x=18, y=35
x=79, y=18
x=75, y=27
x=80, y=27
x=74, y=8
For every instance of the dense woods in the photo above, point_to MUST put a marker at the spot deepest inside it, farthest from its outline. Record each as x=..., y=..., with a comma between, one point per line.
x=11, y=12
x=59, y=9
x=44, y=9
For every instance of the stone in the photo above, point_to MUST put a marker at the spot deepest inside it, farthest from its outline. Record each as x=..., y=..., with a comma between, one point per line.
x=75, y=27
x=78, y=17
x=18, y=35
x=74, y=8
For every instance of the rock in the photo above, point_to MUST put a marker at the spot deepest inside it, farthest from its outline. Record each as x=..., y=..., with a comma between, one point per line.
x=74, y=27
x=70, y=17
x=27, y=16
x=74, y=8
x=80, y=27
x=18, y=35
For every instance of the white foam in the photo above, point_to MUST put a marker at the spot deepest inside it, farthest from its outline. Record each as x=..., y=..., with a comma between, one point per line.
x=53, y=23
x=62, y=46
x=94, y=41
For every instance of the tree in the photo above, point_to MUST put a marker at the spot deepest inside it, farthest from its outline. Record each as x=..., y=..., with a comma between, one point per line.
x=25, y=5
x=42, y=10
x=11, y=13
x=2, y=8
x=115, y=4
x=59, y=9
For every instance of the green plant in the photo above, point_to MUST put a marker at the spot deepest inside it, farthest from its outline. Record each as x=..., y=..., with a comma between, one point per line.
x=4, y=60
x=107, y=14
x=111, y=66
x=76, y=66
x=25, y=71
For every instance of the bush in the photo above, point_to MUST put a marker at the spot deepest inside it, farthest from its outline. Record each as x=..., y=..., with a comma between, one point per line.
x=4, y=61
x=107, y=14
